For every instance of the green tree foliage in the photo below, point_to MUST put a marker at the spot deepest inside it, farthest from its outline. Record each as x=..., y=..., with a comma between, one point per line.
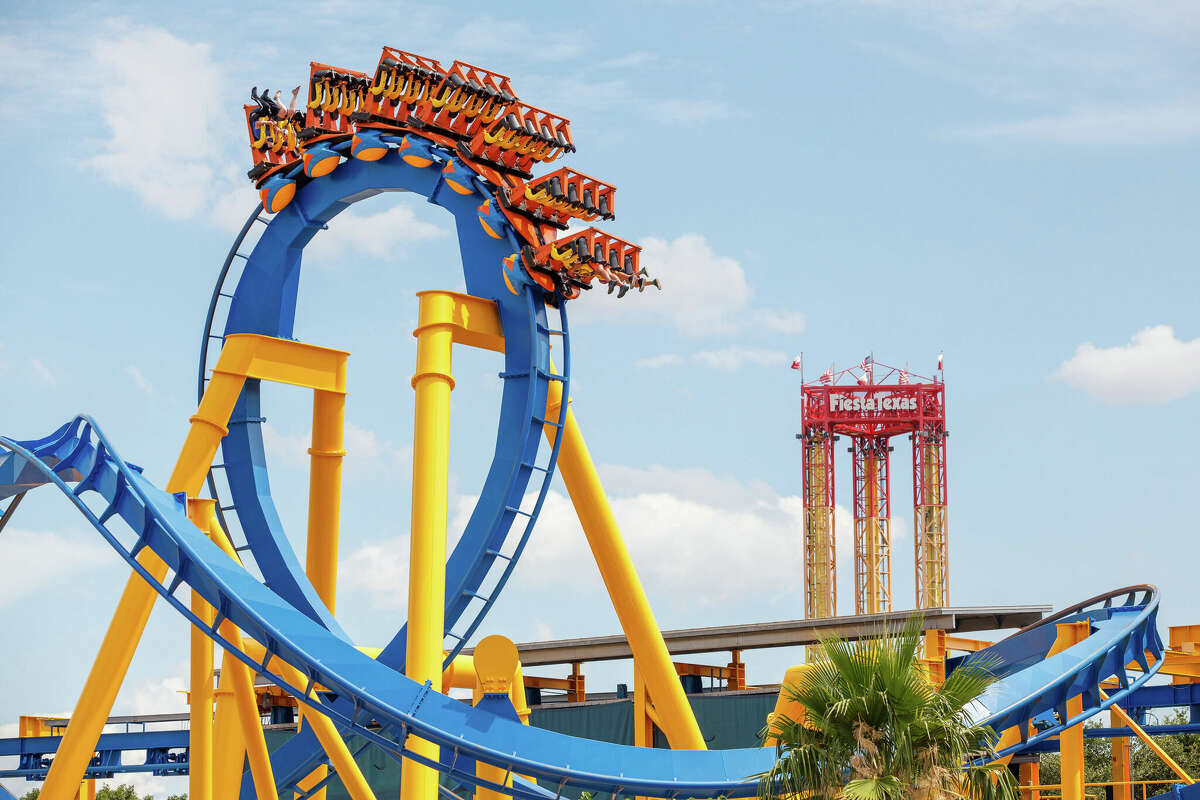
x=1144, y=765
x=122, y=792
x=875, y=728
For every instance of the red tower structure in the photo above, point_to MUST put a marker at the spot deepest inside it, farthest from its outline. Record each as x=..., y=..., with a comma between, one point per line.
x=852, y=403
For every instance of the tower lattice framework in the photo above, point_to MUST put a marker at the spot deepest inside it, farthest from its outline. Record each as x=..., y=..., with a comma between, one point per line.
x=851, y=403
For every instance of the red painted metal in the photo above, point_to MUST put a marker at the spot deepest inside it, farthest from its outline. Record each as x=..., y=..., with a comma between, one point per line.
x=851, y=403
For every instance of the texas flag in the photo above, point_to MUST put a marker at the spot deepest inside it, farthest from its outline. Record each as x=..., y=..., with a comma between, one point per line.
x=798, y=362
x=939, y=362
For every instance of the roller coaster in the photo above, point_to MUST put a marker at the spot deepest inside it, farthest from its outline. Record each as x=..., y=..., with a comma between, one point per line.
x=459, y=137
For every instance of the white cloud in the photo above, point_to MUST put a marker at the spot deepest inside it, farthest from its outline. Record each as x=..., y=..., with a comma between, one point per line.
x=30, y=560
x=992, y=15
x=139, y=380
x=725, y=358
x=695, y=537
x=381, y=235
x=1155, y=367
x=163, y=142
x=381, y=570
x=664, y=360
x=42, y=373
x=365, y=452
x=703, y=292
x=1143, y=125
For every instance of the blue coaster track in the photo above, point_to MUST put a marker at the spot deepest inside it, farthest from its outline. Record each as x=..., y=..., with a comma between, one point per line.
x=371, y=697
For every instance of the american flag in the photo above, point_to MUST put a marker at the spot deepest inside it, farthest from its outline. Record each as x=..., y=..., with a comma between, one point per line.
x=903, y=379
x=827, y=376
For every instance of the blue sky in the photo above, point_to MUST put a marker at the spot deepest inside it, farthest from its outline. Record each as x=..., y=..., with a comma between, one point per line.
x=1008, y=181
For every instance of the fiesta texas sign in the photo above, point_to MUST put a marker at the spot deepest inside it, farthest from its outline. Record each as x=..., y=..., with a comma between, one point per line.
x=890, y=405
x=887, y=402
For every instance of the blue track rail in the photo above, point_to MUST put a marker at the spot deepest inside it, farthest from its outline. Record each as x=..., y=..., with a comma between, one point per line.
x=371, y=697
x=376, y=695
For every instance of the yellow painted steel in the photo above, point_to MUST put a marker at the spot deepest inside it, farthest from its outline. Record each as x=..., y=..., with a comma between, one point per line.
x=785, y=706
x=325, y=493
x=229, y=746
x=873, y=564
x=495, y=662
x=1147, y=740
x=32, y=726
x=243, y=356
x=324, y=729
x=1121, y=764
x=820, y=538
x=103, y=682
x=430, y=493
x=621, y=579
x=200, y=680
x=324, y=513
x=929, y=525
x=1070, y=741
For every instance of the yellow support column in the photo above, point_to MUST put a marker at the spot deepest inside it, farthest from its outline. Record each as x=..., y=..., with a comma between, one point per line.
x=496, y=664
x=103, y=682
x=1121, y=775
x=325, y=493
x=430, y=490
x=621, y=579
x=324, y=514
x=1070, y=741
x=200, y=695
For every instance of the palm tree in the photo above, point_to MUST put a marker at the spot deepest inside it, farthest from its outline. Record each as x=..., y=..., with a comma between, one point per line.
x=875, y=728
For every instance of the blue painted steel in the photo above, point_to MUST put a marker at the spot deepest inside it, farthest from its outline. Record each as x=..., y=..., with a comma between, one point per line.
x=1180, y=792
x=375, y=693
x=264, y=302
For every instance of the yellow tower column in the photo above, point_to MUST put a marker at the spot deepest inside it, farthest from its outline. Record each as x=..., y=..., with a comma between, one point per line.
x=620, y=577
x=200, y=681
x=324, y=515
x=1070, y=741
x=1121, y=774
x=430, y=490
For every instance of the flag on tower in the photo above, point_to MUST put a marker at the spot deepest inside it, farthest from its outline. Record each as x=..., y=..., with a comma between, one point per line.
x=863, y=380
x=827, y=376
x=939, y=362
x=866, y=363
x=903, y=379
x=798, y=361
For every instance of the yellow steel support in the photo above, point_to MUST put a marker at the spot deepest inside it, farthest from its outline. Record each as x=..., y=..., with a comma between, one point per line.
x=785, y=706
x=325, y=493
x=496, y=663
x=620, y=577
x=244, y=356
x=929, y=526
x=31, y=726
x=200, y=680
x=643, y=711
x=229, y=747
x=324, y=513
x=1070, y=741
x=820, y=535
x=1028, y=776
x=1148, y=740
x=430, y=490
x=934, y=657
x=1121, y=773
x=872, y=537
x=324, y=729
x=103, y=682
